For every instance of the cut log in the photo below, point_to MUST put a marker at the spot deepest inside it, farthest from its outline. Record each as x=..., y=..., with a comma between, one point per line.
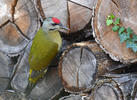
x=123, y=86
x=75, y=14
x=106, y=90
x=109, y=40
x=79, y=16
x=15, y=34
x=81, y=63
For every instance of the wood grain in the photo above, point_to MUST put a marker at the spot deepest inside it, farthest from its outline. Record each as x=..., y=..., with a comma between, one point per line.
x=82, y=63
x=109, y=40
x=15, y=34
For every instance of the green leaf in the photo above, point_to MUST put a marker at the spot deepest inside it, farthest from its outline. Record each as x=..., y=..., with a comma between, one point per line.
x=129, y=30
x=134, y=38
x=109, y=22
x=117, y=21
x=115, y=28
x=121, y=30
x=111, y=16
x=123, y=37
x=132, y=45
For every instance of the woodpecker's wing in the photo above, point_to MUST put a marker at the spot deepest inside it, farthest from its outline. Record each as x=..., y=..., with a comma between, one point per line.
x=43, y=50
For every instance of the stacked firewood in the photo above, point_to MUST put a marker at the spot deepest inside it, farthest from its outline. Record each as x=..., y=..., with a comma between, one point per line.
x=92, y=64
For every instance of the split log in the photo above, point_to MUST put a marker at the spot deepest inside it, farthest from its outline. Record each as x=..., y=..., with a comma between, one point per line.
x=109, y=40
x=46, y=88
x=79, y=16
x=15, y=34
x=75, y=14
x=81, y=63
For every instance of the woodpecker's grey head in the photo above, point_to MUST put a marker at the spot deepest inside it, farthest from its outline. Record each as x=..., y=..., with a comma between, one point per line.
x=52, y=24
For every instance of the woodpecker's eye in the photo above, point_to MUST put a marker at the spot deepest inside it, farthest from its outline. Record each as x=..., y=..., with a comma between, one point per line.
x=54, y=24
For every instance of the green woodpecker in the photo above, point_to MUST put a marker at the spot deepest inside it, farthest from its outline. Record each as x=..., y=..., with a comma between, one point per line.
x=45, y=46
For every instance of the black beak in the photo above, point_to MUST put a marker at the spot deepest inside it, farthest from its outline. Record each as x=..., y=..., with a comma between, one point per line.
x=64, y=27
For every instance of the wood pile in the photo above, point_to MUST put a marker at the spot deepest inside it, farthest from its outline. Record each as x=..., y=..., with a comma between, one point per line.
x=92, y=64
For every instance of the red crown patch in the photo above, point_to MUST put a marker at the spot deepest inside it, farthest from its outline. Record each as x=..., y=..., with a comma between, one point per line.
x=55, y=20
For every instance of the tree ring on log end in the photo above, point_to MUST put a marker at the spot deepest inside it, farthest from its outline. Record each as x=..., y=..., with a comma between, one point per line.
x=109, y=40
x=77, y=68
x=16, y=34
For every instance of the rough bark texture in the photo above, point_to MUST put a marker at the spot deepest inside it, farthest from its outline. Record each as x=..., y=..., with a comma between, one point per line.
x=109, y=40
x=18, y=24
x=81, y=63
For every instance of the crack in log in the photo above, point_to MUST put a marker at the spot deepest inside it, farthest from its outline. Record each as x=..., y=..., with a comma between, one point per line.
x=5, y=23
x=81, y=53
x=22, y=34
x=13, y=9
x=80, y=5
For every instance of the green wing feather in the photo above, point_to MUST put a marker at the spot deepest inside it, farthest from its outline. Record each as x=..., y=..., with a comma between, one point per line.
x=44, y=48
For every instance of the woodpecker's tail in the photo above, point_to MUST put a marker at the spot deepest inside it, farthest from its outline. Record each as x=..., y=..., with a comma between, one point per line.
x=29, y=88
x=34, y=77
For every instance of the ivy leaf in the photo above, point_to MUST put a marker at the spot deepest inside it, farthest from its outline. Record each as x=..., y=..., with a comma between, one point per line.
x=134, y=38
x=109, y=22
x=117, y=21
x=122, y=29
x=129, y=30
x=123, y=37
x=111, y=16
x=132, y=45
x=115, y=28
